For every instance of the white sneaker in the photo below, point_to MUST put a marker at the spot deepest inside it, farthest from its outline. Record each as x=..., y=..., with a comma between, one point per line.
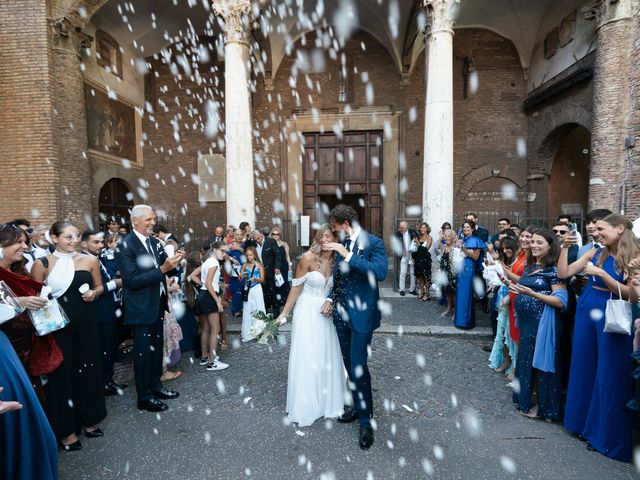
x=217, y=366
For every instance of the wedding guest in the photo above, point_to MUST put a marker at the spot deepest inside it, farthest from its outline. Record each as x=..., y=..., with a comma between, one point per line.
x=514, y=274
x=480, y=232
x=590, y=225
x=448, y=282
x=599, y=380
x=113, y=227
x=172, y=334
x=28, y=443
x=503, y=224
x=40, y=355
x=569, y=221
x=538, y=286
x=516, y=229
x=108, y=257
x=269, y=257
x=503, y=353
x=123, y=231
x=405, y=237
x=253, y=275
x=246, y=229
x=471, y=247
x=230, y=234
x=144, y=266
x=76, y=282
x=167, y=238
x=211, y=304
x=107, y=308
x=236, y=285
x=422, y=261
x=191, y=288
x=282, y=292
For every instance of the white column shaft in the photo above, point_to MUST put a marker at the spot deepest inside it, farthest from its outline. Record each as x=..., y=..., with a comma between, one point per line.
x=437, y=189
x=238, y=138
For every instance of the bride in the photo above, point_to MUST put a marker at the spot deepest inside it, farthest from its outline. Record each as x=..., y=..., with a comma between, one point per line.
x=316, y=381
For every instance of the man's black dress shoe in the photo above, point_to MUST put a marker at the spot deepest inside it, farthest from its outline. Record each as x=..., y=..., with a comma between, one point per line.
x=413, y=292
x=110, y=390
x=72, y=447
x=348, y=416
x=402, y=293
x=164, y=394
x=366, y=437
x=97, y=433
x=153, y=405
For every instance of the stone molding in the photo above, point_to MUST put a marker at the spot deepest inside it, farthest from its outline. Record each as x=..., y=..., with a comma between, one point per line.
x=440, y=15
x=606, y=11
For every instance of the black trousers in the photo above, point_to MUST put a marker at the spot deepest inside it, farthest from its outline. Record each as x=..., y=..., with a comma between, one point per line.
x=147, y=357
x=109, y=341
x=354, y=347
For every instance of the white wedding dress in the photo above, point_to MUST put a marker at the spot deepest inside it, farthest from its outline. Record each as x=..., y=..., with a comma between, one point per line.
x=316, y=380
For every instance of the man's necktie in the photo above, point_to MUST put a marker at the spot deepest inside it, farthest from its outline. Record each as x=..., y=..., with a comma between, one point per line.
x=150, y=248
x=347, y=244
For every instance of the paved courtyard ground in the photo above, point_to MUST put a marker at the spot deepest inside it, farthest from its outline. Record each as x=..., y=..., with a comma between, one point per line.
x=440, y=413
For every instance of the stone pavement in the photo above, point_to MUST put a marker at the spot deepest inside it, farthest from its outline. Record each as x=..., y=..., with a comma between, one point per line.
x=440, y=413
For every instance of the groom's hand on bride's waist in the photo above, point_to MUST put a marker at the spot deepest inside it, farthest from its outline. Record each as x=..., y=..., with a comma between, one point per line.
x=327, y=308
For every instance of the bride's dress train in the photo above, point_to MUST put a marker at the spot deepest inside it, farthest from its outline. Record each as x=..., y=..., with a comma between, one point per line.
x=316, y=381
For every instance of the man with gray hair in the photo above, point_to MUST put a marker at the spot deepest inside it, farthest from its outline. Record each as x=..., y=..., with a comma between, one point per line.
x=144, y=265
x=405, y=237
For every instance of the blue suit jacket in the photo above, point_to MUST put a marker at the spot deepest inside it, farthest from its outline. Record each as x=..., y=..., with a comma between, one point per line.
x=355, y=293
x=141, y=280
x=105, y=304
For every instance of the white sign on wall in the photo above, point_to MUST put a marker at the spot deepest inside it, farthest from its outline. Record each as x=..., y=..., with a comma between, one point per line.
x=304, y=230
x=212, y=178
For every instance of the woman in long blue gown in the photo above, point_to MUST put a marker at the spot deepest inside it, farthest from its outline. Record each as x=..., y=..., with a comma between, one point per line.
x=236, y=285
x=28, y=445
x=472, y=248
x=534, y=291
x=600, y=382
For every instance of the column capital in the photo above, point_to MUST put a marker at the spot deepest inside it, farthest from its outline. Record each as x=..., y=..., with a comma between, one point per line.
x=68, y=37
x=440, y=15
x=239, y=16
x=605, y=11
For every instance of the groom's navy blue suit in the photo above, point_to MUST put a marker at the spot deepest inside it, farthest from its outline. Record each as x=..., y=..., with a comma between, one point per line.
x=356, y=314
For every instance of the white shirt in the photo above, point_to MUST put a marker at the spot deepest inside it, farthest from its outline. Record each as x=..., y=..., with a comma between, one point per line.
x=354, y=236
x=211, y=262
x=259, y=249
x=143, y=239
x=406, y=239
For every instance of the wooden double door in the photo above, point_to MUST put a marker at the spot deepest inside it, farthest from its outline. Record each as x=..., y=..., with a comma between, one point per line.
x=346, y=169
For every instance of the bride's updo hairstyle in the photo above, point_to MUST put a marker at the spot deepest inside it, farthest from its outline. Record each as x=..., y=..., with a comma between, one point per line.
x=316, y=247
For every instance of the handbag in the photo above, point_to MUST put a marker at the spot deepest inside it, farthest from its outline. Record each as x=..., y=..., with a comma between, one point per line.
x=413, y=247
x=617, y=316
x=247, y=286
x=49, y=318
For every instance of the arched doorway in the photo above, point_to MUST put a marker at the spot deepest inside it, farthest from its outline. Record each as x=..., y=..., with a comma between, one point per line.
x=114, y=202
x=568, y=187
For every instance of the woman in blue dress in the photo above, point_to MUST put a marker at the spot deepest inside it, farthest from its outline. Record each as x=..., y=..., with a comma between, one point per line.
x=535, y=290
x=600, y=382
x=28, y=449
x=471, y=247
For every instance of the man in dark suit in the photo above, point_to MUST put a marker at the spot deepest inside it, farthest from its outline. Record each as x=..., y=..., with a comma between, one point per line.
x=481, y=232
x=270, y=257
x=144, y=265
x=361, y=263
x=108, y=309
x=402, y=249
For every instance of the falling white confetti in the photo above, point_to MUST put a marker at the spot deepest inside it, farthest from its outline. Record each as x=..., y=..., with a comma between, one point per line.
x=300, y=433
x=508, y=464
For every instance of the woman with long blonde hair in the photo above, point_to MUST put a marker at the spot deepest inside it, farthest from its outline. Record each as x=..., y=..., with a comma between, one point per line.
x=316, y=382
x=600, y=382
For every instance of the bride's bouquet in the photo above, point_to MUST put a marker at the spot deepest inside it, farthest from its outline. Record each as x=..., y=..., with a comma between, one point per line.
x=265, y=327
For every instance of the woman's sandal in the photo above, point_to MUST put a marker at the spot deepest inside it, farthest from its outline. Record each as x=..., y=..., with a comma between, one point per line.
x=533, y=413
x=168, y=376
x=223, y=345
x=502, y=368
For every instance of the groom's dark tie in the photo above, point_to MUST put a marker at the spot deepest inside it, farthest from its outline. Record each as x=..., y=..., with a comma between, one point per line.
x=347, y=244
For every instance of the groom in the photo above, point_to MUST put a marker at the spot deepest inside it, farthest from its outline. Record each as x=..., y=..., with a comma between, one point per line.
x=354, y=302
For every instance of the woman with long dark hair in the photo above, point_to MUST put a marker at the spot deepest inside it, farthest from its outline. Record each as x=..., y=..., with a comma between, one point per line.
x=422, y=261
x=539, y=286
x=253, y=276
x=600, y=382
x=471, y=247
x=315, y=383
x=74, y=391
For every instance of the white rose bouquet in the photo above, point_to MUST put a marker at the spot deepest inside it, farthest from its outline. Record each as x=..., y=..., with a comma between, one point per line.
x=265, y=328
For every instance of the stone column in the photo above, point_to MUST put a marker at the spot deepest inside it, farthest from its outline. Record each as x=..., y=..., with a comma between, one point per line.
x=69, y=117
x=237, y=15
x=611, y=104
x=437, y=189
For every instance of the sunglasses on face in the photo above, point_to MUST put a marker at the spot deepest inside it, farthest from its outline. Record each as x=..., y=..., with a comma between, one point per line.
x=560, y=232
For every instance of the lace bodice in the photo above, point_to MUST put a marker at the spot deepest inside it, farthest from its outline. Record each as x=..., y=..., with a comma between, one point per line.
x=315, y=284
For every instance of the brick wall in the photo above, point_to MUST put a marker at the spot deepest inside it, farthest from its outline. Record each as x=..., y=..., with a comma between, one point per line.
x=548, y=124
x=29, y=178
x=633, y=192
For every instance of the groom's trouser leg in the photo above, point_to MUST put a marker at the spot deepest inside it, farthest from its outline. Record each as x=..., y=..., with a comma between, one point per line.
x=402, y=281
x=344, y=337
x=360, y=376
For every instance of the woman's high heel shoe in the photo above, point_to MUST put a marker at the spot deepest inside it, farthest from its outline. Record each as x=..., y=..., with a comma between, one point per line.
x=72, y=447
x=96, y=433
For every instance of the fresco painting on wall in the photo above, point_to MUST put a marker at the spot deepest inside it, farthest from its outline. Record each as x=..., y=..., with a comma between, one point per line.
x=112, y=126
